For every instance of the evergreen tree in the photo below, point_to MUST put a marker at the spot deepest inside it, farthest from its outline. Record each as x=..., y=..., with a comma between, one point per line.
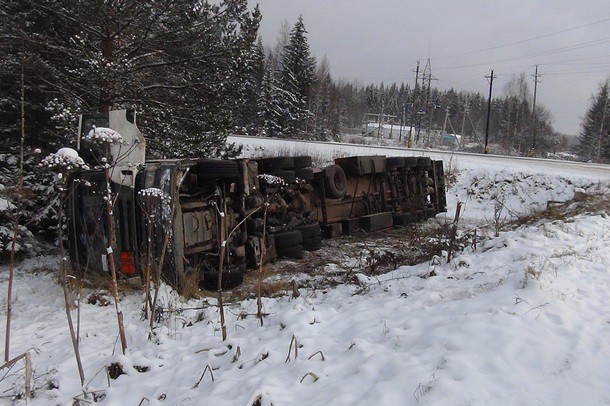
x=182, y=63
x=297, y=78
x=324, y=126
x=248, y=117
x=595, y=134
x=270, y=110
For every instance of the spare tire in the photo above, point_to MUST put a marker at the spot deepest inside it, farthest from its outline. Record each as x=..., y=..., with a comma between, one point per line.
x=335, y=182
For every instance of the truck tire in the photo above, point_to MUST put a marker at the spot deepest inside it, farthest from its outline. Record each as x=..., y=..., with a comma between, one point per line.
x=287, y=238
x=303, y=161
x=217, y=169
x=410, y=161
x=395, y=162
x=230, y=279
x=305, y=174
x=286, y=175
x=312, y=243
x=292, y=252
x=277, y=163
x=335, y=182
x=424, y=162
x=401, y=219
x=309, y=230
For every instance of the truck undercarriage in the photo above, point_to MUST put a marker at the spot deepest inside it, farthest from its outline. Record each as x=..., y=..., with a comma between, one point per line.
x=192, y=220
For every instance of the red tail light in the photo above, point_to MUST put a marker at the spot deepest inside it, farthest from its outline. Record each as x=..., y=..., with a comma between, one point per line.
x=127, y=263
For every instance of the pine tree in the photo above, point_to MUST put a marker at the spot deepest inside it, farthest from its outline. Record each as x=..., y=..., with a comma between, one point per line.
x=269, y=109
x=248, y=117
x=182, y=63
x=297, y=78
x=595, y=134
x=321, y=103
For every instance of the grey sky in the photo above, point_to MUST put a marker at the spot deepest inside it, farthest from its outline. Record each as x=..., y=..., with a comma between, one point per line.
x=380, y=40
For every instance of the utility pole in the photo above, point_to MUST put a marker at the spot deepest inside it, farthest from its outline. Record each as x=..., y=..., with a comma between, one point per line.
x=446, y=118
x=534, y=117
x=462, y=133
x=402, y=123
x=427, y=76
x=491, y=78
x=413, y=107
x=381, y=120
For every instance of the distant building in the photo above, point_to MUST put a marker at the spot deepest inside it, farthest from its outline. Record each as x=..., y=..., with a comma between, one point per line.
x=451, y=140
x=386, y=130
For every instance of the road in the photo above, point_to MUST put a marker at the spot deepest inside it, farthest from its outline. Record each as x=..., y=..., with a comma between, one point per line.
x=327, y=151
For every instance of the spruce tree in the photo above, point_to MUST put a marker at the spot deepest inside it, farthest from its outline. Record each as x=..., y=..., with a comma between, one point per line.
x=248, y=117
x=181, y=63
x=297, y=78
x=594, y=136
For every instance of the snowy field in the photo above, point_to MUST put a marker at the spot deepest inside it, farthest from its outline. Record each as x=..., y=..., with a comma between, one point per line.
x=521, y=320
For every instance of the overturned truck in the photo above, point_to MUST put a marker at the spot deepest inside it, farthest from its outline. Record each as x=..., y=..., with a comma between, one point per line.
x=195, y=219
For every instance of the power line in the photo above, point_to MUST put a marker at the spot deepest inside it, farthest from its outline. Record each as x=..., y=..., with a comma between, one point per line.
x=525, y=40
x=533, y=55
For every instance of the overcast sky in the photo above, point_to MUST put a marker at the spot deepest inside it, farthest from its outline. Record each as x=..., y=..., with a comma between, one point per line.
x=374, y=41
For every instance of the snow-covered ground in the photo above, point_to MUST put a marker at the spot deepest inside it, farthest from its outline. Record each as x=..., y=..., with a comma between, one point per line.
x=523, y=319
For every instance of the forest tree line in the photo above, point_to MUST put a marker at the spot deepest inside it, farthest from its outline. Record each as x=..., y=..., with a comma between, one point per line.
x=197, y=71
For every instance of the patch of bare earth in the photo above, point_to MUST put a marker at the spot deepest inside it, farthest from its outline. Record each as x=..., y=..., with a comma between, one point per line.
x=341, y=259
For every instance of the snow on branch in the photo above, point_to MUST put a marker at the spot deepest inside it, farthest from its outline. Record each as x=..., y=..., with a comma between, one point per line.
x=155, y=193
x=271, y=179
x=103, y=135
x=64, y=159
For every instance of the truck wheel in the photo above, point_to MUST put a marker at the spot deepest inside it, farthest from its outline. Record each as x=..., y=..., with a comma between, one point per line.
x=395, y=162
x=400, y=219
x=292, y=252
x=230, y=280
x=303, y=161
x=286, y=175
x=312, y=243
x=309, y=230
x=410, y=161
x=424, y=162
x=335, y=182
x=305, y=174
x=277, y=163
x=287, y=238
x=216, y=169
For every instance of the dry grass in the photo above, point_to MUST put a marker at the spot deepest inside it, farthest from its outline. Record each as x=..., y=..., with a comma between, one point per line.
x=592, y=202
